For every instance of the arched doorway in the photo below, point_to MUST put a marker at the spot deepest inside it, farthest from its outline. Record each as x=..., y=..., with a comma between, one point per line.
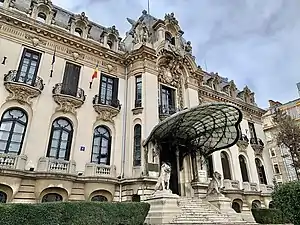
x=260, y=171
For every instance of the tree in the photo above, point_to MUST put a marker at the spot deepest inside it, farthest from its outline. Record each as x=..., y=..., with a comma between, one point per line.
x=288, y=135
x=286, y=198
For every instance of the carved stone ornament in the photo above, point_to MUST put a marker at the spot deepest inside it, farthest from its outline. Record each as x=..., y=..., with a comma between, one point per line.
x=35, y=40
x=21, y=93
x=141, y=33
x=258, y=149
x=242, y=145
x=214, y=185
x=67, y=104
x=106, y=112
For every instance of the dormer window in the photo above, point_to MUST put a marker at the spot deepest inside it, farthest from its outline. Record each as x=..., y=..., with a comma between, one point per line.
x=78, y=32
x=41, y=17
x=169, y=38
x=110, y=44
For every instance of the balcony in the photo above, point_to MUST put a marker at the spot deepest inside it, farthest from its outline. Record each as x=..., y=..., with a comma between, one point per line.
x=106, y=110
x=21, y=89
x=68, y=101
x=250, y=187
x=243, y=142
x=98, y=170
x=257, y=145
x=17, y=162
x=166, y=111
x=231, y=184
x=51, y=165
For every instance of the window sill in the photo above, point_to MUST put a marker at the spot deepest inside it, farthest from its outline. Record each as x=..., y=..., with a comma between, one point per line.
x=137, y=110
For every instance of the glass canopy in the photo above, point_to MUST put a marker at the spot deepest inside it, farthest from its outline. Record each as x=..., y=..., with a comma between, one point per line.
x=205, y=128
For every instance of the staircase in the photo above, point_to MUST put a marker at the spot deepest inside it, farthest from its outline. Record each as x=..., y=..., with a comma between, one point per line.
x=199, y=211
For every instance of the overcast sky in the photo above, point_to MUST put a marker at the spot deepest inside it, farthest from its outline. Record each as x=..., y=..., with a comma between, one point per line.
x=254, y=42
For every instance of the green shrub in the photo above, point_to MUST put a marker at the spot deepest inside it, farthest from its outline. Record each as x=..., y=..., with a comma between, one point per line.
x=286, y=197
x=74, y=213
x=269, y=216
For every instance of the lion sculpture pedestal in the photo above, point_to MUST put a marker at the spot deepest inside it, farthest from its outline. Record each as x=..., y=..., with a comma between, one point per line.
x=163, y=203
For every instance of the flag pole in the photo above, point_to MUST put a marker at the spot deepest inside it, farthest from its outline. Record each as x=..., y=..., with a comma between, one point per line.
x=149, y=7
x=53, y=61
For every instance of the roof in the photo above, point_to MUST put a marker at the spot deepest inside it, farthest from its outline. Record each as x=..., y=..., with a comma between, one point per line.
x=205, y=128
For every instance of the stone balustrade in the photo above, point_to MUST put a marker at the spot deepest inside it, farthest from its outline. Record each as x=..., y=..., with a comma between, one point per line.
x=9, y=161
x=250, y=187
x=231, y=184
x=99, y=170
x=56, y=166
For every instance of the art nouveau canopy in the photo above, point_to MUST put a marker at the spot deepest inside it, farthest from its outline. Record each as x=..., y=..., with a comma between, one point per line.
x=205, y=128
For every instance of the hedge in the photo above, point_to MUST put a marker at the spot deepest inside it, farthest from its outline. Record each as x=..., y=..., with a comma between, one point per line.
x=269, y=216
x=74, y=213
x=286, y=197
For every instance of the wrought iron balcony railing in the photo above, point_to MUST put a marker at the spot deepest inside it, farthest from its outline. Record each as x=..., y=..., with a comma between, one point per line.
x=114, y=102
x=244, y=137
x=59, y=90
x=257, y=145
x=15, y=76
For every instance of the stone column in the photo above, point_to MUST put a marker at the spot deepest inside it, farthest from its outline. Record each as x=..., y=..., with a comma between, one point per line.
x=145, y=161
x=178, y=169
x=105, y=36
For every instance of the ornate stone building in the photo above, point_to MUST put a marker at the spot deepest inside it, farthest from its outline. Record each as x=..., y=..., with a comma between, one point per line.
x=66, y=136
x=280, y=156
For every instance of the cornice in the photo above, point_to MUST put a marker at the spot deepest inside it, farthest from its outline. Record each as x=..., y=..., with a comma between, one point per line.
x=59, y=36
x=221, y=97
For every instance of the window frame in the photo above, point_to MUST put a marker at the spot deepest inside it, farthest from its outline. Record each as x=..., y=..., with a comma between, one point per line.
x=138, y=91
x=252, y=131
x=226, y=156
x=21, y=61
x=137, y=132
x=114, y=95
x=13, y=124
x=109, y=140
x=274, y=167
x=245, y=174
x=170, y=94
x=68, y=87
x=69, y=141
x=52, y=193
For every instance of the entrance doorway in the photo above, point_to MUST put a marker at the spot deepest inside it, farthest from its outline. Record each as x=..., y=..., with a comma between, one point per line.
x=167, y=154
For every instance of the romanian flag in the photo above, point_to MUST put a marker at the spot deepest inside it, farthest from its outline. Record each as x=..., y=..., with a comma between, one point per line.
x=95, y=74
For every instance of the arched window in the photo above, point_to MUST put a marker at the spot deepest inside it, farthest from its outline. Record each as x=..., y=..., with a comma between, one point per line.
x=78, y=32
x=137, y=145
x=136, y=198
x=225, y=165
x=12, y=130
x=256, y=204
x=99, y=198
x=3, y=197
x=261, y=171
x=101, y=146
x=60, y=141
x=41, y=17
x=110, y=44
x=236, y=206
x=243, y=166
x=52, y=197
x=169, y=38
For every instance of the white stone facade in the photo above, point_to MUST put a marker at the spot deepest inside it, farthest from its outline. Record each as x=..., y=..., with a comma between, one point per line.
x=149, y=75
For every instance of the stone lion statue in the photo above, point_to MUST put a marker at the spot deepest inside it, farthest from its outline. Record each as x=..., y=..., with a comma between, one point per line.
x=164, y=177
x=215, y=184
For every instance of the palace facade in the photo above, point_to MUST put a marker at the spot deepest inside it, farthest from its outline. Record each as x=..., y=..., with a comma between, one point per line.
x=65, y=136
x=281, y=158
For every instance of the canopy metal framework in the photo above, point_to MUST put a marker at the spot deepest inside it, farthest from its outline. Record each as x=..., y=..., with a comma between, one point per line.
x=205, y=129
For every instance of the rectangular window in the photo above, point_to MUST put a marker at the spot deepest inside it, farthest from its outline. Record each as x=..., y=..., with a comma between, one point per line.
x=276, y=169
x=28, y=67
x=138, y=91
x=252, y=133
x=272, y=152
x=167, y=100
x=71, y=79
x=108, y=93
